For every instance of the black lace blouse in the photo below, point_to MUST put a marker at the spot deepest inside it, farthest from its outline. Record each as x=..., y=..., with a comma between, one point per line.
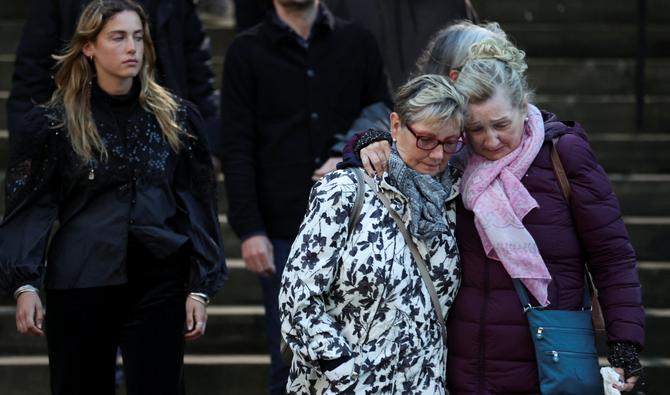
x=142, y=189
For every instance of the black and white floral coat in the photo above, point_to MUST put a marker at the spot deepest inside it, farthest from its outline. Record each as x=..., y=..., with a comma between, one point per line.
x=358, y=293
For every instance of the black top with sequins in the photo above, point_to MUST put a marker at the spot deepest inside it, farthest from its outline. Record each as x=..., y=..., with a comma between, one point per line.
x=142, y=189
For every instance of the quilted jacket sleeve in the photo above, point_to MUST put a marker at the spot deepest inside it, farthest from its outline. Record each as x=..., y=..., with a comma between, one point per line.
x=311, y=332
x=609, y=252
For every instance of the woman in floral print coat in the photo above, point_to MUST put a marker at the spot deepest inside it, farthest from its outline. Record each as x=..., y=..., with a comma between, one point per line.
x=354, y=308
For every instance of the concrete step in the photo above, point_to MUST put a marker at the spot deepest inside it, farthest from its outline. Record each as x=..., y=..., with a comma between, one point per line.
x=649, y=236
x=230, y=330
x=570, y=11
x=598, y=113
x=537, y=39
x=241, y=329
x=10, y=31
x=243, y=291
x=606, y=76
x=234, y=375
x=215, y=379
x=655, y=280
x=642, y=194
x=587, y=39
x=6, y=71
x=603, y=76
x=608, y=113
x=210, y=375
x=625, y=153
x=242, y=287
x=632, y=153
x=550, y=40
x=639, y=194
x=648, y=233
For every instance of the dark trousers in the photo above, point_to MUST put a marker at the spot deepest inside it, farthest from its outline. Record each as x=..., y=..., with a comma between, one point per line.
x=270, y=286
x=144, y=317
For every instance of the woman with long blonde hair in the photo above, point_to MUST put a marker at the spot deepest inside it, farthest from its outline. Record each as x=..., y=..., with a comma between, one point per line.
x=120, y=164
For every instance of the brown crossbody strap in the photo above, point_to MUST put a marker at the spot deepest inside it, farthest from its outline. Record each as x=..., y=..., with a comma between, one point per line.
x=423, y=268
x=597, y=315
x=560, y=171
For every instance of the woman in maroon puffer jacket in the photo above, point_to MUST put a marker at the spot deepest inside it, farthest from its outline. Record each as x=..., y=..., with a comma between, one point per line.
x=490, y=348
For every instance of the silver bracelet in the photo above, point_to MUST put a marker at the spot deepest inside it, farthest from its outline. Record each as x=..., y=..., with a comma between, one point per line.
x=200, y=297
x=25, y=288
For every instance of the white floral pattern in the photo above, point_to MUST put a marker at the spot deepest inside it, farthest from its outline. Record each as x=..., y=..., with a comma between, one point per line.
x=359, y=294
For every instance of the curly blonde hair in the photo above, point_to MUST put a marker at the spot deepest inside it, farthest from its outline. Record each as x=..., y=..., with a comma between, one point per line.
x=493, y=66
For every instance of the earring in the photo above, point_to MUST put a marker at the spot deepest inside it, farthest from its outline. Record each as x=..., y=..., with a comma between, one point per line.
x=90, y=58
x=525, y=119
x=395, y=140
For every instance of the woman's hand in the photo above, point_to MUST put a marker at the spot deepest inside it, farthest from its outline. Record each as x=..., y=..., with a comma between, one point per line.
x=29, y=314
x=628, y=385
x=375, y=157
x=196, y=319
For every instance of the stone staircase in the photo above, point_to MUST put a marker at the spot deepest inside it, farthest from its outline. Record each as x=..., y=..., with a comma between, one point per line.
x=582, y=66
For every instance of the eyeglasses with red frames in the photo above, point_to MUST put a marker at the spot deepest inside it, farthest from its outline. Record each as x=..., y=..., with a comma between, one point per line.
x=429, y=143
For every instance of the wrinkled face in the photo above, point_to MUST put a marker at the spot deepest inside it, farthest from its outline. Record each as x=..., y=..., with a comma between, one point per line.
x=118, y=50
x=494, y=128
x=431, y=162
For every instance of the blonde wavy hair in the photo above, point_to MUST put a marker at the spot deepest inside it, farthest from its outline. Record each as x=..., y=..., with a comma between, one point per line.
x=493, y=66
x=429, y=98
x=75, y=74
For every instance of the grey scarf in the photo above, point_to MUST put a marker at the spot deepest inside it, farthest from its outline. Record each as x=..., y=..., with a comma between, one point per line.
x=426, y=195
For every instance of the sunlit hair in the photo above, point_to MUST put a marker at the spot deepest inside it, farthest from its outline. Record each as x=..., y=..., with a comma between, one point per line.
x=493, y=66
x=449, y=47
x=429, y=98
x=75, y=73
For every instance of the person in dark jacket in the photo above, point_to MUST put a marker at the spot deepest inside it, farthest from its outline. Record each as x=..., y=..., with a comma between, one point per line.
x=402, y=27
x=183, y=58
x=122, y=165
x=291, y=85
x=508, y=178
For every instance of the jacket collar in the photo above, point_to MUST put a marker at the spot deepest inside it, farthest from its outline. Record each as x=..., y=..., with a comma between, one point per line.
x=129, y=99
x=325, y=22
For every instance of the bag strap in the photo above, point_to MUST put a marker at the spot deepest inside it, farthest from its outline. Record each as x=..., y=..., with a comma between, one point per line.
x=561, y=175
x=358, y=204
x=423, y=268
x=560, y=171
x=525, y=300
x=523, y=296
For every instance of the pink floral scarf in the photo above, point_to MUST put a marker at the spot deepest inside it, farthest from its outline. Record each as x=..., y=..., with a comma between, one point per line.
x=494, y=192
